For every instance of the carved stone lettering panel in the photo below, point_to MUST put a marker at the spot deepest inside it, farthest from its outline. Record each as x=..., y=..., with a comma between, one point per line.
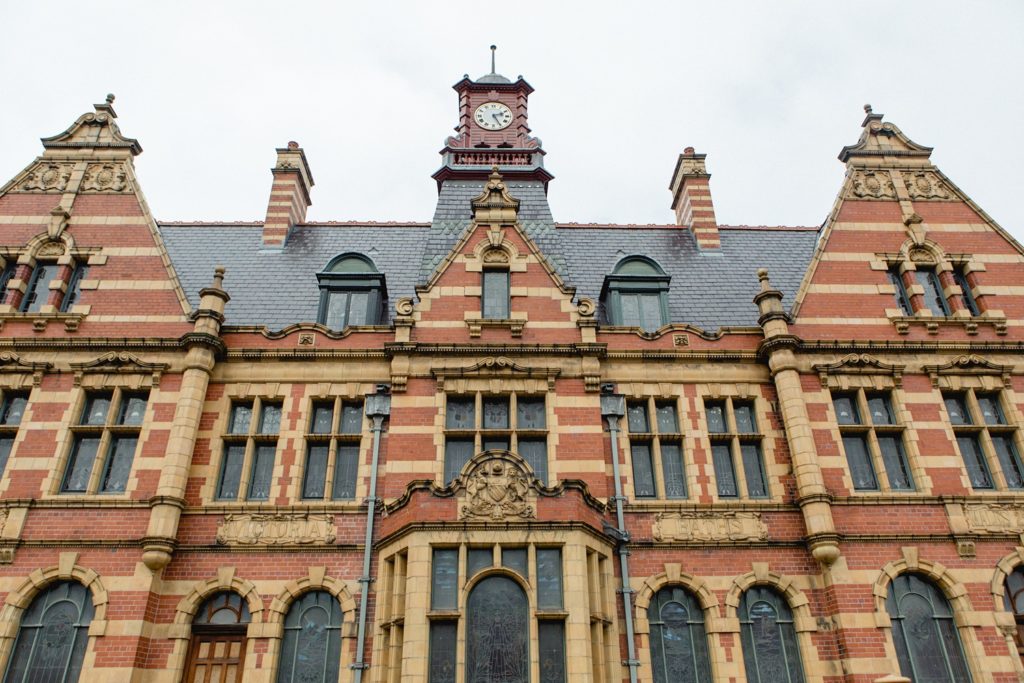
x=995, y=518
x=709, y=526
x=271, y=529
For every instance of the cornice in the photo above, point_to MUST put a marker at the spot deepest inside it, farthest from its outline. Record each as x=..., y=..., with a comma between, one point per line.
x=910, y=346
x=425, y=348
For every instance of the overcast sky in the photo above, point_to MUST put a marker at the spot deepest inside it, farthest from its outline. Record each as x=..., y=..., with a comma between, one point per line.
x=771, y=91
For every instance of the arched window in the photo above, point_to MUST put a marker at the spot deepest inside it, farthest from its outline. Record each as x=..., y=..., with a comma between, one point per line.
x=1014, y=600
x=352, y=292
x=770, y=650
x=927, y=642
x=497, y=633
x=53, y=636
x=311, y=649
x=679, y=646
x=636, y=294
x=217, y=651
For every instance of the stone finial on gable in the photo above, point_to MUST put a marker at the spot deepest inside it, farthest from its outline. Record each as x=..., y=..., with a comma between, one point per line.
x=289, y=195
x=881, y=141
x=495, y=204
x=92, y=130
x=691, y=199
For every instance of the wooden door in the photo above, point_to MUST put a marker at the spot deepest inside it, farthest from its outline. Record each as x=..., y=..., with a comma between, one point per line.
x=216, y=657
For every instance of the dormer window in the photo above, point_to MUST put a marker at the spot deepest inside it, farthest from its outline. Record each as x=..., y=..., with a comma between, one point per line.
x=352, y=292
x=636, y=294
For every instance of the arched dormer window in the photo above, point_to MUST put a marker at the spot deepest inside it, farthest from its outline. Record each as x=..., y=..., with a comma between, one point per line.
x=352, y=292
x=636, y=294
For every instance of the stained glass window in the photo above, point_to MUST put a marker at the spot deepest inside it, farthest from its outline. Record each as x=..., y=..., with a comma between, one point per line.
x=108, y=431
x=332, y=450
x=53, y=636
x=927, y=641
x=736, y=445
x=444, y=581
x=873, y=441
x=679, y=648
x=443, y=635
x=1013, y=599
x=311, y=647
x=551, y=644
x=497, y=633
x=725, y=475
x=481, y=422
x=656, y=447
x=549, y=578
x=250, y=447
x=975, y=415
x=770, y=650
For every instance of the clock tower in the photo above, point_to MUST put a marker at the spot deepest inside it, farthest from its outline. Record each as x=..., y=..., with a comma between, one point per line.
x=493, y=131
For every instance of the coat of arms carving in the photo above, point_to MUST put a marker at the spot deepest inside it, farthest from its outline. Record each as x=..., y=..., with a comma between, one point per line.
x=497, y=488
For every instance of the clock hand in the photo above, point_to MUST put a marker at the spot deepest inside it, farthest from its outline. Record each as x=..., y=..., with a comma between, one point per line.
x=494, y=115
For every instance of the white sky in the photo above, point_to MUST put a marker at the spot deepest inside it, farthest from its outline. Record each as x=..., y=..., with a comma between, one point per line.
x=770, y=91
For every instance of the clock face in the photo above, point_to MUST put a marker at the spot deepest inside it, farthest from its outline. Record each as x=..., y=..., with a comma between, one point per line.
x=493, y=116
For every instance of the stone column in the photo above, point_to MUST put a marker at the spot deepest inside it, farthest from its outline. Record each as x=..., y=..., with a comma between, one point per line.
x=203, y=343
x=812, y=496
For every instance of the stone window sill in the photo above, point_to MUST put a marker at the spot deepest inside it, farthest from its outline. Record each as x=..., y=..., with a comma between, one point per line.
x=933, y=324
x=513, y=325
x=41, y=320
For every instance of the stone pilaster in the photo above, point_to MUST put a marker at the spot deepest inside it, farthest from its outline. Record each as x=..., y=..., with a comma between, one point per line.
x=812, y=495
x=203, y=343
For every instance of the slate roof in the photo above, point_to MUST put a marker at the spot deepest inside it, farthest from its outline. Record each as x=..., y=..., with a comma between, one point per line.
x=278, y=287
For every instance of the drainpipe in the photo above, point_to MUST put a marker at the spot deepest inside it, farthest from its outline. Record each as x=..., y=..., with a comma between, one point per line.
x=613, y=407
x=378, y=406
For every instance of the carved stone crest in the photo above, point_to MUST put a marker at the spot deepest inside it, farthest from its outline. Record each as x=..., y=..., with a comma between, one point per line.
x=279, y=529
x=47, y=177
x=925, y=185
x=495, y=256
x=872, y=185
x=50, y=249
x=497, y=488
x=995, y=518
x=709, y=526
x=105, y=178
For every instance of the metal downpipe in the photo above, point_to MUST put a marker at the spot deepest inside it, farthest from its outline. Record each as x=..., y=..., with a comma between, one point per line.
x=623, y=541
x=377, y=407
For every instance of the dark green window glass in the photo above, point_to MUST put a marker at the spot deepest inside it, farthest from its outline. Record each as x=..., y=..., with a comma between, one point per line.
x=672, y=467
x=643, y=470
x=497, y=632
x=846, y=409
x=753, y=468
x=442, y=652
x=974, y=461
x=444, y=578
x=549, y=578
x=478, y=559
x=551, y=643
x=52, y=636
x=535, y=453
x=230, y=472
x=457, y=453
x=725, y=475
x=315, y=476
x=516, y=560
x=262, y=472
x=770, y=650
x=862, y=471
x=346, y=471
x=530, y=413
x=895, y=460
x=83, y=456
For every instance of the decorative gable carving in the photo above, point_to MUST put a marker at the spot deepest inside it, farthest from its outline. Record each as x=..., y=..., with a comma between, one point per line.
x=969, y=365
x=497, y=368
x=495, y=486
x=110, y=177
x=12, y=364
x=880, y=139
x=118, y=363
x=926, y=185
x=45, y=176
x=871, y=185
x=858, y=364
x=94, y=129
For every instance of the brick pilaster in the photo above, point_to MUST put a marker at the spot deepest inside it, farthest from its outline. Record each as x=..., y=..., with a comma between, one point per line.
x=289, y=195
x=691, y=199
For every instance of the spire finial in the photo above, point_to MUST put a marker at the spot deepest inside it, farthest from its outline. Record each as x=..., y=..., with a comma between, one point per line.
x=867, y=109
x=494, y=48
x=110, y=98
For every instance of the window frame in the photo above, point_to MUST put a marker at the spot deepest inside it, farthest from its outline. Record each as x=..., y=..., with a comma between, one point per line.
x=32, y=287
x=871, y=435
x=251, y=441
x=9, y=430
x=655, y=440
x=513, y=433
x=785, y=618
x=897, y=630
x=487, y=270
x=656, y=622
x=734, y=439
x=86, y=614
x=654, y=283
x=291, y=634
x=982, y=432
x=335, y=439
x=464, y=583
x=107, y=435
x=370, y=281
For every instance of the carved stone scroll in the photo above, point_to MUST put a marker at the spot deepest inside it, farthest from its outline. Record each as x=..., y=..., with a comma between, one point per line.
x=46, y=177
x=709, y=526
x=926, y=185
x=280, y=529
x=872, y=185
x=105, y=178
x=995, y=518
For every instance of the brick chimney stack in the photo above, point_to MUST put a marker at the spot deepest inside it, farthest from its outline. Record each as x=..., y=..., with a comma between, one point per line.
x=691, y=199
x=289, y=195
